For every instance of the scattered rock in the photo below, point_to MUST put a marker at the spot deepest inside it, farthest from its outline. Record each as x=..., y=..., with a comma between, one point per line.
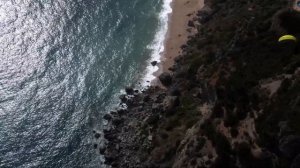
x=191, y=24
x=146, y=98
x=204, y=17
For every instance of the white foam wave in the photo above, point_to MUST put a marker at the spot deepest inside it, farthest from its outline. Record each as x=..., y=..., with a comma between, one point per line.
x=157, y=46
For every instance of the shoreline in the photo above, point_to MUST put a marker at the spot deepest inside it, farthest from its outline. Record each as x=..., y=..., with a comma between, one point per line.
x=179, y=30
x=225, y=90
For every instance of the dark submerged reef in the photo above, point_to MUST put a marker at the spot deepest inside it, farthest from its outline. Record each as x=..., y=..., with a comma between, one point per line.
x=231, y=100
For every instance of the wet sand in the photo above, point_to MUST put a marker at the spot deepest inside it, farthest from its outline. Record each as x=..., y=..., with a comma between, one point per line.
x=178, y=31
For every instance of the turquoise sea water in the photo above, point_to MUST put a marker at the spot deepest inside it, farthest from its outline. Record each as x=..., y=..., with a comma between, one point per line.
x=62, y=65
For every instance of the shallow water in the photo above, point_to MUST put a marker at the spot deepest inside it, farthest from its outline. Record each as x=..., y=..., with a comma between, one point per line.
x=62, y=65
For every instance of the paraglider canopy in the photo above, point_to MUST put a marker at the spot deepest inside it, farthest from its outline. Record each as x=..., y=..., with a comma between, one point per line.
x=287, y=38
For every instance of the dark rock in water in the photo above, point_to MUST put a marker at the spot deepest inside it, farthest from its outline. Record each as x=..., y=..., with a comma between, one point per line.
x=109, y=137
x=113, y=113
x=97, y=135
x=115, y=164
x=109, y=159
x=165, y=78
x=95, y=146
x=191, y=24
x=296, y=162
x=290, y=146
x=102, y=150
x=129, y=90
x=123, y=98
x=153, y=63
x=121, y=111
x=107, y=117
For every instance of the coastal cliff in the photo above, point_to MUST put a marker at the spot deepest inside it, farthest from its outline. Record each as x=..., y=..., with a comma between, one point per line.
x=231, y=99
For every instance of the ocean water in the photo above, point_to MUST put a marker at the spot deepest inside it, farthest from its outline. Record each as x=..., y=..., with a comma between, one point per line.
x=62, y=66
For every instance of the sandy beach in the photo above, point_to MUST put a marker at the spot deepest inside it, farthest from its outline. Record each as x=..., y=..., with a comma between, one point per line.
x=183, y=12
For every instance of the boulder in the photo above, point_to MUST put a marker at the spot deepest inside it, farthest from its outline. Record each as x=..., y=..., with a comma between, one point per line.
x=204, y=17
x=123, y=98
x=117, y=121
x=129, y=90
x=165, y=78
x=107, y=117
x=102, y=150
x=153, y=63
x=121, y=111
x=109, y=159
x=97, y=135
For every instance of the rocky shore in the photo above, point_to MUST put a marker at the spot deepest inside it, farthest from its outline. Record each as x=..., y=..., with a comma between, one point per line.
x=231, y=100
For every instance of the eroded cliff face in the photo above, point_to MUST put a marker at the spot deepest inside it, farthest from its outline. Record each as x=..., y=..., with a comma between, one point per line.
x=232, y=98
